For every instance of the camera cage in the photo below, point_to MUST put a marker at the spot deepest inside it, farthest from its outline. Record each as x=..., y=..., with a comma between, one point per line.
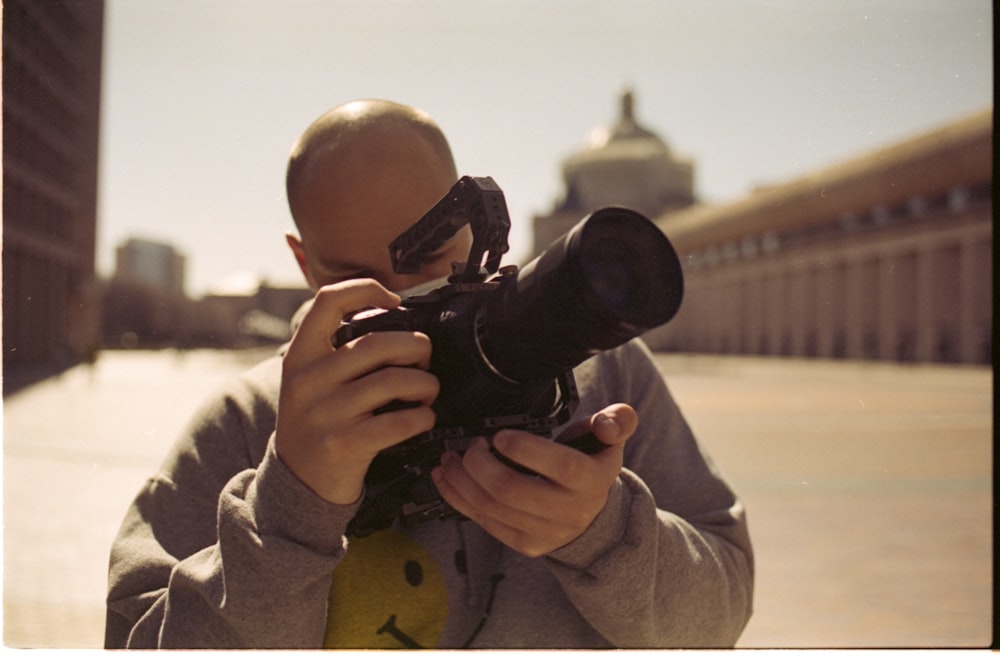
x=398, y=483
x=477, y=201
x=506, y=340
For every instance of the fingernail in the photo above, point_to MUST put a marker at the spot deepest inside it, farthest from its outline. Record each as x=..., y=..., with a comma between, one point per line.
x=609, y=425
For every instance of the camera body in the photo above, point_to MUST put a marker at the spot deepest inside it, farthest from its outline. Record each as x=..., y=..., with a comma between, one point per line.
x=474, y=401
x=505, y=340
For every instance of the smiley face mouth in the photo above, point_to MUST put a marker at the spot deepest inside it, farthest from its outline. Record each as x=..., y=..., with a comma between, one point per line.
x=391, y=628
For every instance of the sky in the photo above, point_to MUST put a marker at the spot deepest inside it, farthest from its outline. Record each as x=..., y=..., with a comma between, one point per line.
x=203, y=99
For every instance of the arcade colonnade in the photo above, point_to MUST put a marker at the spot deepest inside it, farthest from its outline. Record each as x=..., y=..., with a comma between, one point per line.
x=884, y=257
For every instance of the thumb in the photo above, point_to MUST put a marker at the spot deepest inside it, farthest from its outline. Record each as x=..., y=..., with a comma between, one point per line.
x=614, y=424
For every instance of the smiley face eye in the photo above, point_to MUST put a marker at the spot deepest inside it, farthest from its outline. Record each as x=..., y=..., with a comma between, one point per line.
x=413, y=572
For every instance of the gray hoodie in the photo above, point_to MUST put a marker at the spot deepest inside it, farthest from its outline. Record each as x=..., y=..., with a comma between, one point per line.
x=225, y=548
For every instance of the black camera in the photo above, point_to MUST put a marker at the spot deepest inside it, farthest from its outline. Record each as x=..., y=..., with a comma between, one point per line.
x=505, y=340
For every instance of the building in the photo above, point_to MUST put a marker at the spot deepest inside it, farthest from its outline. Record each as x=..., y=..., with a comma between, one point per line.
x=144, y=304
x=51, y=115
x=884, y=257
x=145, y=307
x=151, y=263
x=623, y=164
x=261, y=316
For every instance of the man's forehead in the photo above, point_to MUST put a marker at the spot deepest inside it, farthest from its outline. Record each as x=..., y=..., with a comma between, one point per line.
x=354, y=204
x=352, y=240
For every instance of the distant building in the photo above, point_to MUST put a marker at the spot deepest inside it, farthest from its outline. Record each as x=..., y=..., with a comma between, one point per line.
x=144, y=310
x=885, y=257
x=51, y=116
x=623, y=164
x=260, y=316
x=150, y=263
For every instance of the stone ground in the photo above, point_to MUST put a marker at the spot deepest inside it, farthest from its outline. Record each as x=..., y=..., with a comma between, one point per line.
x=868, y=486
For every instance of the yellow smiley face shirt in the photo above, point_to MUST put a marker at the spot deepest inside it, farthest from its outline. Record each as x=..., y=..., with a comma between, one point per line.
x=387, y=593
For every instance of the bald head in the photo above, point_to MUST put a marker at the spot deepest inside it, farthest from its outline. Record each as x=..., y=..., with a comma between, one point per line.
x=358, y=177
x=370, y=133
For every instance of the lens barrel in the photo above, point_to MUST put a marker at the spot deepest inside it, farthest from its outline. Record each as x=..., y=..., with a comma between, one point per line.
x=610, y=278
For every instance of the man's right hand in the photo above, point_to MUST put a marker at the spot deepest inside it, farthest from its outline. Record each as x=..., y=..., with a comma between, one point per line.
x=327, y=431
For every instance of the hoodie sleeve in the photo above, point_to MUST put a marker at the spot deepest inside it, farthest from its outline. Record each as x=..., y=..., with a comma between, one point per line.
x=668, y=562
x=207, y=555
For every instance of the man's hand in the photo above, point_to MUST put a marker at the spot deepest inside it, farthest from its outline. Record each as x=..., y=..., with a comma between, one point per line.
x=327, y=431
x=537, y=514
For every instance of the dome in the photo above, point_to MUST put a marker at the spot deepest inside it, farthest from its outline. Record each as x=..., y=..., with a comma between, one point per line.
x=627, y=164
x=626, y=129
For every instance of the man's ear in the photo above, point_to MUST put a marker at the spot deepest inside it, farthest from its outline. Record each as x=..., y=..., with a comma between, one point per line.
x=295, y=244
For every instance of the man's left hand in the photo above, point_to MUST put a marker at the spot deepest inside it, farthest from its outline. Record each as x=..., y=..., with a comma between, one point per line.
x=537, y=514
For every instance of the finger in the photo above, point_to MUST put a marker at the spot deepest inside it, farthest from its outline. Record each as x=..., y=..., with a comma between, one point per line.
x=347, y=405
x=376, y=350
x=377, y=389
x=381, y=431
x=338, y=474
x=330, y=305
x=465, y=495
x=332, y=378
x=557, y=462
x=514, y=493
x=456, y=499
x=615, y=424
x=529, y=534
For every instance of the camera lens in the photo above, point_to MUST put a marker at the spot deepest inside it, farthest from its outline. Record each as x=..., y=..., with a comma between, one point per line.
x=612, y=277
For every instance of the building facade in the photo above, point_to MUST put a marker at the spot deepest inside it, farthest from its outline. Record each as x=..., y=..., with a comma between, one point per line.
x=884, y=257
x=151, y=263
x=51, y=115
x=144, y=305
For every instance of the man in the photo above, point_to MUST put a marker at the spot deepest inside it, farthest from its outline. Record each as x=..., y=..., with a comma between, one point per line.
x=240, y=541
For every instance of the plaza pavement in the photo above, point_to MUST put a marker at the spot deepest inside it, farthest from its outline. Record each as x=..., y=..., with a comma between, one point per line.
x=868, y=487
